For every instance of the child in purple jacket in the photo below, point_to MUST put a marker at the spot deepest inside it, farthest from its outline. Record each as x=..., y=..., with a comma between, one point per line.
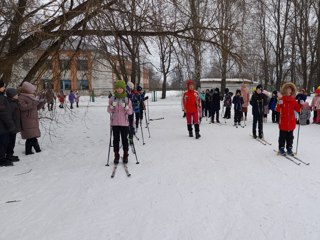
x=72, y=98
x=120, y=107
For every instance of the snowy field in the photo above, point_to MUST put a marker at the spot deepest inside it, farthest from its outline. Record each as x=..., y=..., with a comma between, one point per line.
x=224, y=186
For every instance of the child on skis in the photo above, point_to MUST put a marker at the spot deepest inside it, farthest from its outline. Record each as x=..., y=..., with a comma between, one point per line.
x=227, y=102
x=246, y=98
x=237, y=102
x=258, y=101
x=272, y=106
x=286, y=106
x=192, y=107
x=120, y=107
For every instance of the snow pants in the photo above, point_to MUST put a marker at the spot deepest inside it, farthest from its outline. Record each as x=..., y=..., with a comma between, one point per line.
x=192, y=118
x=257, y=119
x=285, y=137
x=117, y=131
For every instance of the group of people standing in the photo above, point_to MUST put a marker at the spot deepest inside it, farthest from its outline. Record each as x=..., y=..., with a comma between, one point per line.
x=73, y=97
x=19, y=113
x=288, y=108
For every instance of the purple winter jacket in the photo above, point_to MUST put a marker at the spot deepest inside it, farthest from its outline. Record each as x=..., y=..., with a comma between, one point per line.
x=120, y=108
x=72, y=97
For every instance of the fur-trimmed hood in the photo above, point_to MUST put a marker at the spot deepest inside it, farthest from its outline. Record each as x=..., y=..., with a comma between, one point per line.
x=287, y=85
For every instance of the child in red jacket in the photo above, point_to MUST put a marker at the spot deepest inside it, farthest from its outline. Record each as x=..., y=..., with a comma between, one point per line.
x=191, y=105
x=287, y=123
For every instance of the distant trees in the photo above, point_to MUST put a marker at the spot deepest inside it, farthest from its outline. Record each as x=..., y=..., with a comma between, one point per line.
x=272, y=41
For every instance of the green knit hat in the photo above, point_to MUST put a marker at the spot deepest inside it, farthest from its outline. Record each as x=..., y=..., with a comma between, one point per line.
x=120, y=84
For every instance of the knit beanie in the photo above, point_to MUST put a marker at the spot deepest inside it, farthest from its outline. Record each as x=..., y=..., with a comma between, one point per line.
x=28, y=88
x=11, y=92
x=120, y=84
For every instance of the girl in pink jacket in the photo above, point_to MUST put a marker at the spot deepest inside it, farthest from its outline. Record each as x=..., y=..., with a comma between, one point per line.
x=120, y=107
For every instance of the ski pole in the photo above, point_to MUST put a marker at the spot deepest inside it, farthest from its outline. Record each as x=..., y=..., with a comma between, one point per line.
x=142, y=132
x=109, y=145
x=298, y=133
x=148, y=109
x=145, y=115
x=135, y=152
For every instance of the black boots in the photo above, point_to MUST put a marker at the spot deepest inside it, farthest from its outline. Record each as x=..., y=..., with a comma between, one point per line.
x=197, y=130
x=5, y=162
x=29, y=147
x=190, y=130
x=261, y=135
x=36, y=146
x=125, y=157
x=196, y=126
x=116, y=158
x=32, y=142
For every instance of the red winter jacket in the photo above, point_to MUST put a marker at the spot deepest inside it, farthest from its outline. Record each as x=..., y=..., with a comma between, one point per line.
x=191, y=101
x=287, y=118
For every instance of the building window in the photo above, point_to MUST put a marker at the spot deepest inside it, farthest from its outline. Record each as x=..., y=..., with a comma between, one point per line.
x=83, y=84
x=47, y=83
x=65, y=64
x=65, y=84
x=82, y=65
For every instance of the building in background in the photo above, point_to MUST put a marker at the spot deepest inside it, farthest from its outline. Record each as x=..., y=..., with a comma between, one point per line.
x=85, y=70
x=232, y=83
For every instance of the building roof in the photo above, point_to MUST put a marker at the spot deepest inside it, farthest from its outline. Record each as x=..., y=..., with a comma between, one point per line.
x=228, y=80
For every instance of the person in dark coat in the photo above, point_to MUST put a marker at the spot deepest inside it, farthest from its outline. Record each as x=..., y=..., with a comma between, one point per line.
x=50, y=98
x=258, y=101
x=6, y=126
x=207, y=104
x=29, y=106
x=215, y=105
x=237, y=102
x=12, y=96
x=272, y=106
x=227, y=102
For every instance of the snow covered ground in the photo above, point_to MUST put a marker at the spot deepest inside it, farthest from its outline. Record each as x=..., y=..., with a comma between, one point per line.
x=225, y=185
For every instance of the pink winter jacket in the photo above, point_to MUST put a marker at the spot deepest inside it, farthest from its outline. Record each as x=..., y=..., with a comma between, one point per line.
x=245, y=95
x=119, y=108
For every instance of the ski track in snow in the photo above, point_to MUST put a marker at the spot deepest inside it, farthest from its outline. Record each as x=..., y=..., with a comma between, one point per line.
x=226, y=185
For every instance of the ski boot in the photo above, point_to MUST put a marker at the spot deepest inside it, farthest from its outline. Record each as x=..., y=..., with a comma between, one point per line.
x=116, y=158
x=125, y=157
x=282, y=152
x=289, y=152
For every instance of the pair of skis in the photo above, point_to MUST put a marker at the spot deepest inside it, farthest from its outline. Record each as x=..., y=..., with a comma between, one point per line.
x=294, y=159
x=115, y=167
